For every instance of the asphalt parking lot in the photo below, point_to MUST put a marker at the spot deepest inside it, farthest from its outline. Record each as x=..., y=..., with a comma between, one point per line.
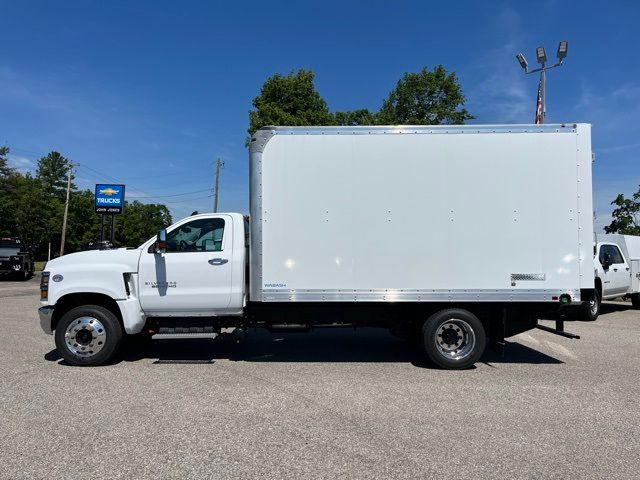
x=331, y=404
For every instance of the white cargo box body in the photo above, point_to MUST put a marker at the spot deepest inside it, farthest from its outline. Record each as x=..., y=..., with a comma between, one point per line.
x=434, y=213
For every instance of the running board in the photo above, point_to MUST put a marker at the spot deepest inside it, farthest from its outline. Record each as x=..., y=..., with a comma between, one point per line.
x=559, y=330
x=182, y=336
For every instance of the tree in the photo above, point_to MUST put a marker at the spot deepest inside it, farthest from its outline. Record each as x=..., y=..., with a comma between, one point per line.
x=425, y=98
x=139, y=222
x=289, y=100
x=7, y=175
x=32, y=218
x=83, y=224
x=355, y=117
x=52, y=172
x=5, y=169
x=625, y=216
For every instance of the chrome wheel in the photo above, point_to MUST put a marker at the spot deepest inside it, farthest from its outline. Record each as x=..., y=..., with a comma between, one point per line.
x=85, y=336
x=455, y=339
x=594, y=307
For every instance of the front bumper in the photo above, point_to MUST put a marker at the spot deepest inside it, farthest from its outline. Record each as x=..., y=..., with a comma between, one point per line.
x=46, y=314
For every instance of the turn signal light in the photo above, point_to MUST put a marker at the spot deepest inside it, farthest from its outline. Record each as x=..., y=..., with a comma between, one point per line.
x=44, y=286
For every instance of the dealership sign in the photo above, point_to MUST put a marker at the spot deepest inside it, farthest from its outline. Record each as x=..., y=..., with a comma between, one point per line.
x=109, y=198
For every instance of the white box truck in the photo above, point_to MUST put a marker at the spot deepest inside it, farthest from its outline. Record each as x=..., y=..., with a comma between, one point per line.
x=616, y=266
x=459, y=235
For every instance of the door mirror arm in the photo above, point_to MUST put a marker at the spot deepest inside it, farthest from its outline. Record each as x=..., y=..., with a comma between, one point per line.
x=160, y=246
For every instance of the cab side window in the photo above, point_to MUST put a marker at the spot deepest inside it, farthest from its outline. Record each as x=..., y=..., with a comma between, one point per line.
x=202, y=235
x=613, y=252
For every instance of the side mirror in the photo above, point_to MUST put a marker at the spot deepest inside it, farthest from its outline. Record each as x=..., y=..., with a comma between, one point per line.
x=161, y=242
x=606, y=261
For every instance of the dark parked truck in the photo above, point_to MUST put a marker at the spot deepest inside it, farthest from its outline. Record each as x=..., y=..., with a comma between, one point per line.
x=458, y=236
x=15, y=258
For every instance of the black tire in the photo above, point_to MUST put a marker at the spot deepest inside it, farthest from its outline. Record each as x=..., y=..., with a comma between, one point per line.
x=459, y=326
x=112, y=340
x=635, y=300
x=589, y=311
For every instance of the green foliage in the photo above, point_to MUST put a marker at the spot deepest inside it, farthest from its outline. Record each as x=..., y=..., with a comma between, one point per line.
x=5, y=169
x=355, y=117
x=425, y=98
x=83, y=223
x=32, y=208
x=139, y=222
x=52, y=172
x=625, y=215
x=7, y=174
x=289, y=100
x=33, y=214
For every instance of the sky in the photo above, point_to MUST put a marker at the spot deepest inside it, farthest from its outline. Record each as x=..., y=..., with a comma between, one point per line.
x=150, y=93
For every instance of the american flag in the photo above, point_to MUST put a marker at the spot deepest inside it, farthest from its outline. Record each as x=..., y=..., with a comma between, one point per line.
x=539, y=118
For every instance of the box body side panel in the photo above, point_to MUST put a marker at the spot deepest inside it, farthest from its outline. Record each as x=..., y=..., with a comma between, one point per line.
x=420, y=217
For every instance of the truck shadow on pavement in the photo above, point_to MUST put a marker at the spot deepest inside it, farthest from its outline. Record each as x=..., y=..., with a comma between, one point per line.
x=323, y=346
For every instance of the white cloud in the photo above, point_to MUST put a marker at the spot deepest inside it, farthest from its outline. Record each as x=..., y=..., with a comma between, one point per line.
x=619, y=148
x=22, y=164
x=506, y=95
x=612, y=109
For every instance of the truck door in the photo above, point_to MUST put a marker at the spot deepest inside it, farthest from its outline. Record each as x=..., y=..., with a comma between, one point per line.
x=193, y=276
x=617, y=276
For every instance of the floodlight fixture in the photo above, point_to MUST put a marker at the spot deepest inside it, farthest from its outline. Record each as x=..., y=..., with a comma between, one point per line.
x=522, y=61
x=563, y=47
x=541, y=57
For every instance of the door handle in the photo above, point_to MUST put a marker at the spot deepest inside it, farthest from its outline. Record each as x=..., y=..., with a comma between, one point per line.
x=218, y=261
x=627, y=269
x=615, y=269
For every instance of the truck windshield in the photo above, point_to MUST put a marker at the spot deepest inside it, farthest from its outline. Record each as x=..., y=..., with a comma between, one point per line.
x=10, y=243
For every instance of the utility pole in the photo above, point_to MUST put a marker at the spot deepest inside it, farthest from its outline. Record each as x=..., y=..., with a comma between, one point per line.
x=219, y=165
x=66, y=210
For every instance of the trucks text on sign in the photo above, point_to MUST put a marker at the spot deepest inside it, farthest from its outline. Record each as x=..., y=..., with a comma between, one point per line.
x=109, y=199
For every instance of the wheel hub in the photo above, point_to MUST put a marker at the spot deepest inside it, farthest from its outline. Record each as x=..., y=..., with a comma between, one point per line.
x=85, y=336
x=455, y=339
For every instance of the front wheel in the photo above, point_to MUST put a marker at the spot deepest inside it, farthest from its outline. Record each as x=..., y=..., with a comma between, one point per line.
x=88, y=335
x=454, y=338
x=591, y=310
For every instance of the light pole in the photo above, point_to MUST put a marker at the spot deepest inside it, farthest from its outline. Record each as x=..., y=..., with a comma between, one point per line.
x=541, y=56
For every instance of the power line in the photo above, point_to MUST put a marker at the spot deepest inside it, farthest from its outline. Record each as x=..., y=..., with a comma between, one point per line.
x=174, y=195
x=148, y=195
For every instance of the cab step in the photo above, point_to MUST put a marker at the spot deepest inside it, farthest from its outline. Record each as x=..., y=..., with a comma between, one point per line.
x=182, y=336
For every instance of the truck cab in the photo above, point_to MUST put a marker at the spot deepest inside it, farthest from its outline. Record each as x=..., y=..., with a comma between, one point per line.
x=15, y=258
x=199, y=271
x=195, y=268
x=616, y=266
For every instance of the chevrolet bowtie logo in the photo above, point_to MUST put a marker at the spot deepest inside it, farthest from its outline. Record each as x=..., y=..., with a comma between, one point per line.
x=108, y=191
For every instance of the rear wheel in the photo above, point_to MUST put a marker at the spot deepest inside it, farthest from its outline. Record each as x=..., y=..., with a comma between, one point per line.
x=589, y=311
x=88, y=335
x=454, y=338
